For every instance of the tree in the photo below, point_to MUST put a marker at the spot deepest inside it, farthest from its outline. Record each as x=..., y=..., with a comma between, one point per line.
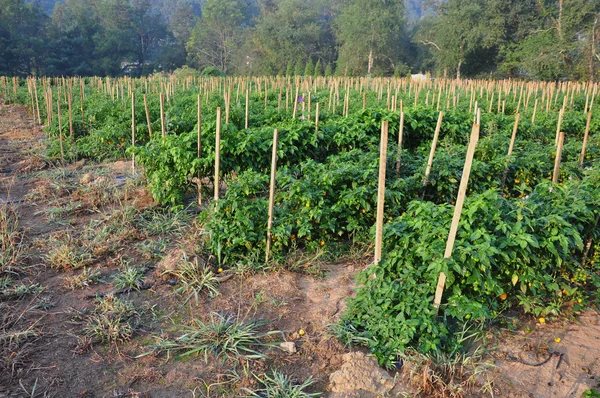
x=22, y=38
x=289, y=70
x=299, y=68
x=309, y=70
x=182, y=22
x=318, y=69
x=369, y=33
x=218, y=35
x=292, y=30
x=457, y=30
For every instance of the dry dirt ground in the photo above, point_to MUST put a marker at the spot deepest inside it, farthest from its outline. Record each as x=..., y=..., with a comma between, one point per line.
x=98, y=218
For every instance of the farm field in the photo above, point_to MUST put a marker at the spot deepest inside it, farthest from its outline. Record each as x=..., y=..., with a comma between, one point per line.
x=142, y=258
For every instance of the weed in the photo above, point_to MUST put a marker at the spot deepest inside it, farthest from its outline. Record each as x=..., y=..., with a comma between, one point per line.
x=129, y=278
x=87, y=278
x=59, y=213
x=161, y=221
x=347, y=333
x=279, y=385
x=225, y=337
x=11, y=291
x=194, y=279
x=448, y=374
x=97, y=193
x=11, y=239
x=105, y=234
x=152, y=249
x=114, y=320
x=13, y=342
x=67, y=252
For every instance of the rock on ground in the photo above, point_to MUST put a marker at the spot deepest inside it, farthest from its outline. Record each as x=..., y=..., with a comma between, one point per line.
x=360, y=377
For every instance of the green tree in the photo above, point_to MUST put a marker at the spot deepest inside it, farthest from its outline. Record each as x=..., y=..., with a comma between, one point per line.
x=309, y=70
x=217, y=37
x=289, y=70
x=299, y=68
x=292, y=30
x=369, y=35
x=22, y=38
x=318, y=69
x=458, y=30
x=328, y=71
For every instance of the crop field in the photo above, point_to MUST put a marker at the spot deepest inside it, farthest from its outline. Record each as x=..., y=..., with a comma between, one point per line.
x=221, y=237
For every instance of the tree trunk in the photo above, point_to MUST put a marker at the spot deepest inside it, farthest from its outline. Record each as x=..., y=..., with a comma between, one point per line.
x=370, y=66
x=460, y=60
x=560, y=15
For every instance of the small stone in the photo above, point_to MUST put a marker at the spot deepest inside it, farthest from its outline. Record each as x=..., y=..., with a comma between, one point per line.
x=288, y=346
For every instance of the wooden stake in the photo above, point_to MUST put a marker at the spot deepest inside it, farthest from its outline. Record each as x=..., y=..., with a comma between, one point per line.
x=381, y=192
x=133, y=131
x=511, y=146
x=148, y=117
x=317, y=117
x=162, y=115
x=460, y=200
x=199, y=148
x=400, y=134
x=585, y=139
x=247, y=105
x=561, y=114
x=272, y=193
x=217, y=154
x=433, y=146
x=559, y=148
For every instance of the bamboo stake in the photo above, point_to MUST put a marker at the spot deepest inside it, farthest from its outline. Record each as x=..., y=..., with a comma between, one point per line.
x=199, y=148
x=511, y=146
x=400, y=134
x=272, y=193
x=559, y=148
x=133, y=131
x=460, y=200
x=317, y=117
x=561, y=115
x=217, y=154
x=433, y=146
x=381, y=192
x=162, y=115
x=247, y=106
x=148, y=117
x=585, y=139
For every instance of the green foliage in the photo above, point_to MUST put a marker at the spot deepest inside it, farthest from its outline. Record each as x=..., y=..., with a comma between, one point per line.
x=309, y=70
x=170, y=163
x=318, y=69
x=525, y=251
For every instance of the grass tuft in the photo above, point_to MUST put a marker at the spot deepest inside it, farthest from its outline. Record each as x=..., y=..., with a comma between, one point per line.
x=278, y=385
x=223, y=336
x=129, y=278
x=87, y=278
x=113, y=320
x=194, y=279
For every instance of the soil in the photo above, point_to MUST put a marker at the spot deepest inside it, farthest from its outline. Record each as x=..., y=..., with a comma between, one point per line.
x=52, y=358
